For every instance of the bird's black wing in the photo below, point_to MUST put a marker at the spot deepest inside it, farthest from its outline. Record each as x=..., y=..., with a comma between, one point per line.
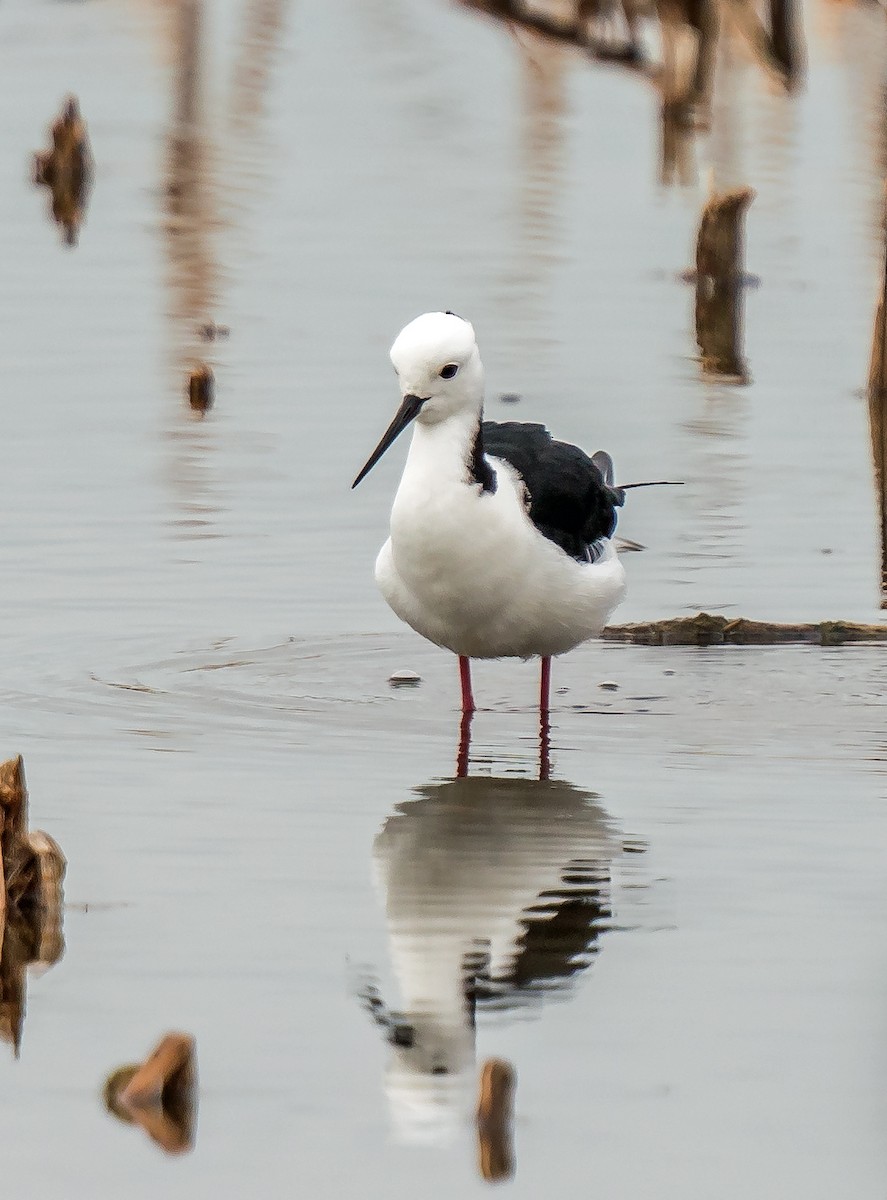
x=572, y=498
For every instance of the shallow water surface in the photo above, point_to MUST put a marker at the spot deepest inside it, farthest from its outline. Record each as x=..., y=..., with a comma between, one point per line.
x=673, y=929
x=673, y=941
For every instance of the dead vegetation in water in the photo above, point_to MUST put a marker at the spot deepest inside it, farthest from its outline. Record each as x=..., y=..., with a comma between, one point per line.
x=707, y=630
x=66, y=169
x=160, y=1094
x=32, y=868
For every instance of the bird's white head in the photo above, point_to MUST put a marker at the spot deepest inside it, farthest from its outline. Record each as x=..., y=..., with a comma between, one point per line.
x=437, y=360
x=440, y=373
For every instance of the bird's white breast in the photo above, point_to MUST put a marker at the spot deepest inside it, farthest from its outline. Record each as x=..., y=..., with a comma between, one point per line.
x=468, y=570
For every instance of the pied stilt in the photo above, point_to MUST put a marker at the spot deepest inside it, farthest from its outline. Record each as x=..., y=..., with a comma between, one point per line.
x=500, y=539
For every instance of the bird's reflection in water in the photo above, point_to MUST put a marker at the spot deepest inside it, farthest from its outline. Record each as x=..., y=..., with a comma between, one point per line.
x=497, y=891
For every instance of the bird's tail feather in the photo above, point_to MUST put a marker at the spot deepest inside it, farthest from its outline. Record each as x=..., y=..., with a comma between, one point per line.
x=604, y=464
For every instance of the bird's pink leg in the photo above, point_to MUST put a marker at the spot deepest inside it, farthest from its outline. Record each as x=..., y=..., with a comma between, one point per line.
x=544, y=685
x=465, y=680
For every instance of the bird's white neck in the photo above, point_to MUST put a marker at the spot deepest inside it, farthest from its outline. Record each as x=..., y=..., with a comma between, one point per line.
x=441, y=452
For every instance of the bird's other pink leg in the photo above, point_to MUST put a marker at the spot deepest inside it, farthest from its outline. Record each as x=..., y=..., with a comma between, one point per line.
x=544, y=685
x=462, y=758
x=465, y=680
x=544, y=747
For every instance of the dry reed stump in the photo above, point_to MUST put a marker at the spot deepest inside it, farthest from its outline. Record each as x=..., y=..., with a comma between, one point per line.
x=32, y=868
x=201, y=388
x=160, y=1094
x=495, y=1113
x=720, y=279
x=66, y=169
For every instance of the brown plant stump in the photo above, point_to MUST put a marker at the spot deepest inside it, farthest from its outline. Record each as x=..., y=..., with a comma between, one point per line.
x=32, y=868
x=495, y=1110
x=201, y=388
x=66, y=169
x=160, y=1094
x=720, y=280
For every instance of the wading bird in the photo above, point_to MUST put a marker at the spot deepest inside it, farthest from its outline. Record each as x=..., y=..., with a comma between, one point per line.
x=500, y=541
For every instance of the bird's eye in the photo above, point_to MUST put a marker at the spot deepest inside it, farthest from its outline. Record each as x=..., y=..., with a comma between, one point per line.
x=449, y=370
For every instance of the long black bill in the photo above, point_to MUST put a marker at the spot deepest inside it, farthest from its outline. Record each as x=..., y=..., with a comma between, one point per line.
x=617, y=491
x=623, y=487
x=407, y=412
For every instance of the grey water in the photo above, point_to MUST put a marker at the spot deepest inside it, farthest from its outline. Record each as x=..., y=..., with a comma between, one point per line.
x=679, y=937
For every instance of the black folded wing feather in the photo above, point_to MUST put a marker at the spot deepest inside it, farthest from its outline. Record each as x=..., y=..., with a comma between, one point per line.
x=571, y=498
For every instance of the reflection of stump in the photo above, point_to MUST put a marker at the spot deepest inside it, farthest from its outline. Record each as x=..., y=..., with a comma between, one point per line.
x=680, y=52
x=35, y=939
x=495, y=1106
x=779, y=50
x=159, y=1094
x=32, y=868
x=676, y=158
x=878, y=418
x=689, y=30
x=719, y=283
x=66, y=170
x=787, y=39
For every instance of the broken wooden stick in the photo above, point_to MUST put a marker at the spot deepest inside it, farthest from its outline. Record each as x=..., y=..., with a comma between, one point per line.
x=720, y=279
x=160, y=1094
x=495, y=1111
x=66, y=169
x=707, y=630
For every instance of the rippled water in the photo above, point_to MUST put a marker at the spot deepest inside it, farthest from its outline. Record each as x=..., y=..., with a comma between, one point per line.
x=677, y=939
